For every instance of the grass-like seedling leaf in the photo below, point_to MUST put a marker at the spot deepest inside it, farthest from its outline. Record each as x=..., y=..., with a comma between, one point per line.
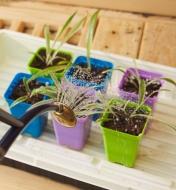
x=19, y=100
x=63, y=29
x=49, y=56
x=48, y=48
x=142, y=91
x=62, y=35
x=23, y=98
x=38, y=55
x=90, y=34
x=143, y=84
x=69, y=35
x=49, y=70
x=169, y=80
x=150, y=117
x=123, y=105
x=49, y=91
x=82, y=101
x=114, y=69
x=26, y=85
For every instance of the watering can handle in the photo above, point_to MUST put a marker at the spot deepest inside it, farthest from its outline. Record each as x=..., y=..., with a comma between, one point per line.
x=5, y=117
x=17, y=125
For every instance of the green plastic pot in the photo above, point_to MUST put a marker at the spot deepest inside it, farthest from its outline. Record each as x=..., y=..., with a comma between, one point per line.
x=122, y=147
x=34, y=70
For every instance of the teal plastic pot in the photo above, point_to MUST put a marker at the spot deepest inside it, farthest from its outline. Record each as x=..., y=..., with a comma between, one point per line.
x=34, y=70
x=122, y=147
x=36, y=126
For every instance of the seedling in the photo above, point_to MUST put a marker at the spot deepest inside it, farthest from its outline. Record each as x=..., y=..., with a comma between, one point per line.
x=79, y=100
x=123, y=112
x=63, y=35
x=134, y=78
x=90, y=34
x=26, y=86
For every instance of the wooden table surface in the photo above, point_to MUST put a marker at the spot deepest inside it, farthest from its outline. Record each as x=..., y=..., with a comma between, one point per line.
x=151, y=38
x=14, y=179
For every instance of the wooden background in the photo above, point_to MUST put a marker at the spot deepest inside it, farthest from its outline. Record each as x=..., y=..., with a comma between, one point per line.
x=142, y=36
x=151, y=38
x=160, y=7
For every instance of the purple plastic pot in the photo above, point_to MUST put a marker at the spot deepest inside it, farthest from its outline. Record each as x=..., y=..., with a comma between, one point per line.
x=74, y=138
x=133, y=96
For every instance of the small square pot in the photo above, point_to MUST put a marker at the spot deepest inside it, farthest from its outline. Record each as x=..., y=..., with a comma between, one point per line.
x=121, y=147
x=36, y=126
x=34, y=70
x=133, y=96
x=95, y=63
x=74, y=138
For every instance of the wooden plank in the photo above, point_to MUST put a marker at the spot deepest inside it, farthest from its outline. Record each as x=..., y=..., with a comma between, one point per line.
x=1, y=24
x=6, y=23
x=13, y=179
x=38, y=30
x=118, y=36
x=49, y=7
x=54, y=19
x=17, y=26
x=166, y=7
x=82, y=40
x=35, y=16
x=123, y=15
x=159, y=43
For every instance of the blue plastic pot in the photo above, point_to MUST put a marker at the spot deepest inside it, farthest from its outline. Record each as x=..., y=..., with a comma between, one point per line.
x=36, y=126
x=95, y=63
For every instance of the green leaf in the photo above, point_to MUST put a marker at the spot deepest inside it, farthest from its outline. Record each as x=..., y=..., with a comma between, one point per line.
x=38, y=55
x=114, y=69
x=49, y=91
x=142, y=91
x=160, y=90
x=74, y=29
x=90, y=35
x=55, y=80
x=19, y=100
x=150, y=117
x=47, y=38
x=26, y=85
x=169, y=80
x=70, y=34
x=125, y=105
x=48, y=70
x=65, y=26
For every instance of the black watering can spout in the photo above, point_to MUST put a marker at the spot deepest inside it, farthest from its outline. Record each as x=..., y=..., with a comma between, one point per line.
x=17, y=125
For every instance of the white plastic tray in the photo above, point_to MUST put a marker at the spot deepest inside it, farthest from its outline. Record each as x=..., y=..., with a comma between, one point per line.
x=155, y=167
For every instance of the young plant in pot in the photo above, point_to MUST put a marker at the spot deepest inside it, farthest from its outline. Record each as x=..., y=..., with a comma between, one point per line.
x=19, y=99
x=52, y=55
x=87, y=71
x=129, y=85
x=123, y=125
x=75, y=102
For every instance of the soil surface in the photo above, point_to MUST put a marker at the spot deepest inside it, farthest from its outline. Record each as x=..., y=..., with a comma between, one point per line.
x=40, y=64
x=121, y=121
x=131, y=85
x=93, y=75
x=20, y=91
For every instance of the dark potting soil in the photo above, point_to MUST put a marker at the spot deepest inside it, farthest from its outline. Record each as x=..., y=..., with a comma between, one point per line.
x=120, y=121
x=93, y=75
x=131, y=85
x=20, y=91
x=40, y=64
